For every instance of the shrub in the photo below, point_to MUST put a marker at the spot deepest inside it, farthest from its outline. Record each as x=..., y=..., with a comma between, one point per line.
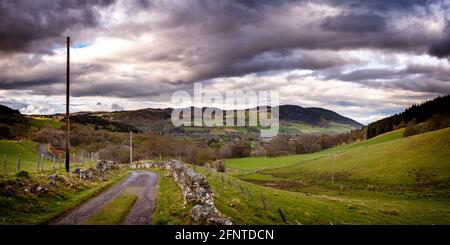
x=23, y=174
x=220, y=167
x=411, y=129
x=242, y=149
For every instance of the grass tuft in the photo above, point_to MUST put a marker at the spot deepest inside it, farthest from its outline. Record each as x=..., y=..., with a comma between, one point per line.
x=115, y=212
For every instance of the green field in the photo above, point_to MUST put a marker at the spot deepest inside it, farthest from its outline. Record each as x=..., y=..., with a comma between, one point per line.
x=300, y=128
x=39, y=122
x=336, y=207
x=28, y=151
x=285, y=128
x=388, y=179
x=260, y=163
x=419, y=158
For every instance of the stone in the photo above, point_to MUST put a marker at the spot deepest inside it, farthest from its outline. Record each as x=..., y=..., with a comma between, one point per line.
x=104, y=165
x=195, y=188
x=55, y=179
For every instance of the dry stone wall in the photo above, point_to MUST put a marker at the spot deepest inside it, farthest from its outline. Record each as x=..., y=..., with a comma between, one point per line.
x=101, y=168
x=195, y=188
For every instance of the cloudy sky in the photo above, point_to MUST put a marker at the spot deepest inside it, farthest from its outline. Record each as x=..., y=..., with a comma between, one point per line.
x=362, y=59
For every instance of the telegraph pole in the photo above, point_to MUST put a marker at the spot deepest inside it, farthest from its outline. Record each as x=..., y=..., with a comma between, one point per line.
x=131, y=147
x=67, y=106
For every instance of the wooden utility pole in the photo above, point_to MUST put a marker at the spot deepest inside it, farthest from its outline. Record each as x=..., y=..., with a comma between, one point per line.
x=131, y=147
x=67, y=106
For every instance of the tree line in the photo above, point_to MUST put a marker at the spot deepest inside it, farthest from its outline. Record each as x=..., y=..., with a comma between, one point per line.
x=416, y=113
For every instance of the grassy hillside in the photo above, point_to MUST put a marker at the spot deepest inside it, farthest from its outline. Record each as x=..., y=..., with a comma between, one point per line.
x=23, y=207
x=293, y=128
x=28, y=156
x=388, y=179
x=39, y=122
x=260, y=163
x=387, y=159
x=242, y=201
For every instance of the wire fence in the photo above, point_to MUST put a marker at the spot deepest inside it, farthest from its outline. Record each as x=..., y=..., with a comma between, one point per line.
x=12, y=164
x=253, y=194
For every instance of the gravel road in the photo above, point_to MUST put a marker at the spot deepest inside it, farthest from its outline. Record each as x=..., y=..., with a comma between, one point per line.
x=143, y=183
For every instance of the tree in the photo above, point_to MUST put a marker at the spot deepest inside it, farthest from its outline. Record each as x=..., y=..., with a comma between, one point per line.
x=241, y=149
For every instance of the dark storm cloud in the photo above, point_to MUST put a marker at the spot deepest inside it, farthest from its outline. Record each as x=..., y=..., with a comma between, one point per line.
x=27, y=84
x=32, y=26
x=366, y=74
x=441, y=48
x=418, y=78
x=355, y=23
x=201, y=40
x=383, y=5
x=230, y=38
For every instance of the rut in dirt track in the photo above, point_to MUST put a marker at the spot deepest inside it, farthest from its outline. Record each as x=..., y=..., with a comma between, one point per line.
x=143, y=184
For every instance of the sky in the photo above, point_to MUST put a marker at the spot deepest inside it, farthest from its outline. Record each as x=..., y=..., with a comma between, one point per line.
x=363, y=59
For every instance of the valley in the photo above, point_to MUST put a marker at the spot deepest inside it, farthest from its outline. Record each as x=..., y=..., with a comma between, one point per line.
x=339, y=177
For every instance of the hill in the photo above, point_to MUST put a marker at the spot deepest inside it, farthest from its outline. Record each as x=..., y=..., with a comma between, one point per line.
x=388, y=160
x=438, y=107
x=314, y=116
x=389, y=179
x=12, y=123
x=294, y=120
x=260, y=163
x=28, y=151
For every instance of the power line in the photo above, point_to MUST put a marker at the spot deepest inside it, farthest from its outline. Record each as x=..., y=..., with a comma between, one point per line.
x=84, y=66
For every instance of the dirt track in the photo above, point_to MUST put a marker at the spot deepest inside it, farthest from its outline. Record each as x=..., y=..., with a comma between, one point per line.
x=143, y=183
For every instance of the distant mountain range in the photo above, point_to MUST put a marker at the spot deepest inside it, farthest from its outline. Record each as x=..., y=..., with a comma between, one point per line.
x=292, y=117
x=314, y=116
x=293, y=120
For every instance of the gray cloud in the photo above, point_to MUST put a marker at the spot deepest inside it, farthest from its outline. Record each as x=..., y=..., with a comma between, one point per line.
x=355, y=23
x=32, y=26
x=176, y=44
x=418, y=78
x=117, y=107
x=441, y=48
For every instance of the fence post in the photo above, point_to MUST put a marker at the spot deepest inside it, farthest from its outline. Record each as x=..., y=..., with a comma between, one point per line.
x=222, y=177
x=4, y=163
x=240, y=187
x=282, y=215
x=18, y=162
x=229, y=181
x=42, y=163
x=263, y=200
x=37, y=163
x=249, y=193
